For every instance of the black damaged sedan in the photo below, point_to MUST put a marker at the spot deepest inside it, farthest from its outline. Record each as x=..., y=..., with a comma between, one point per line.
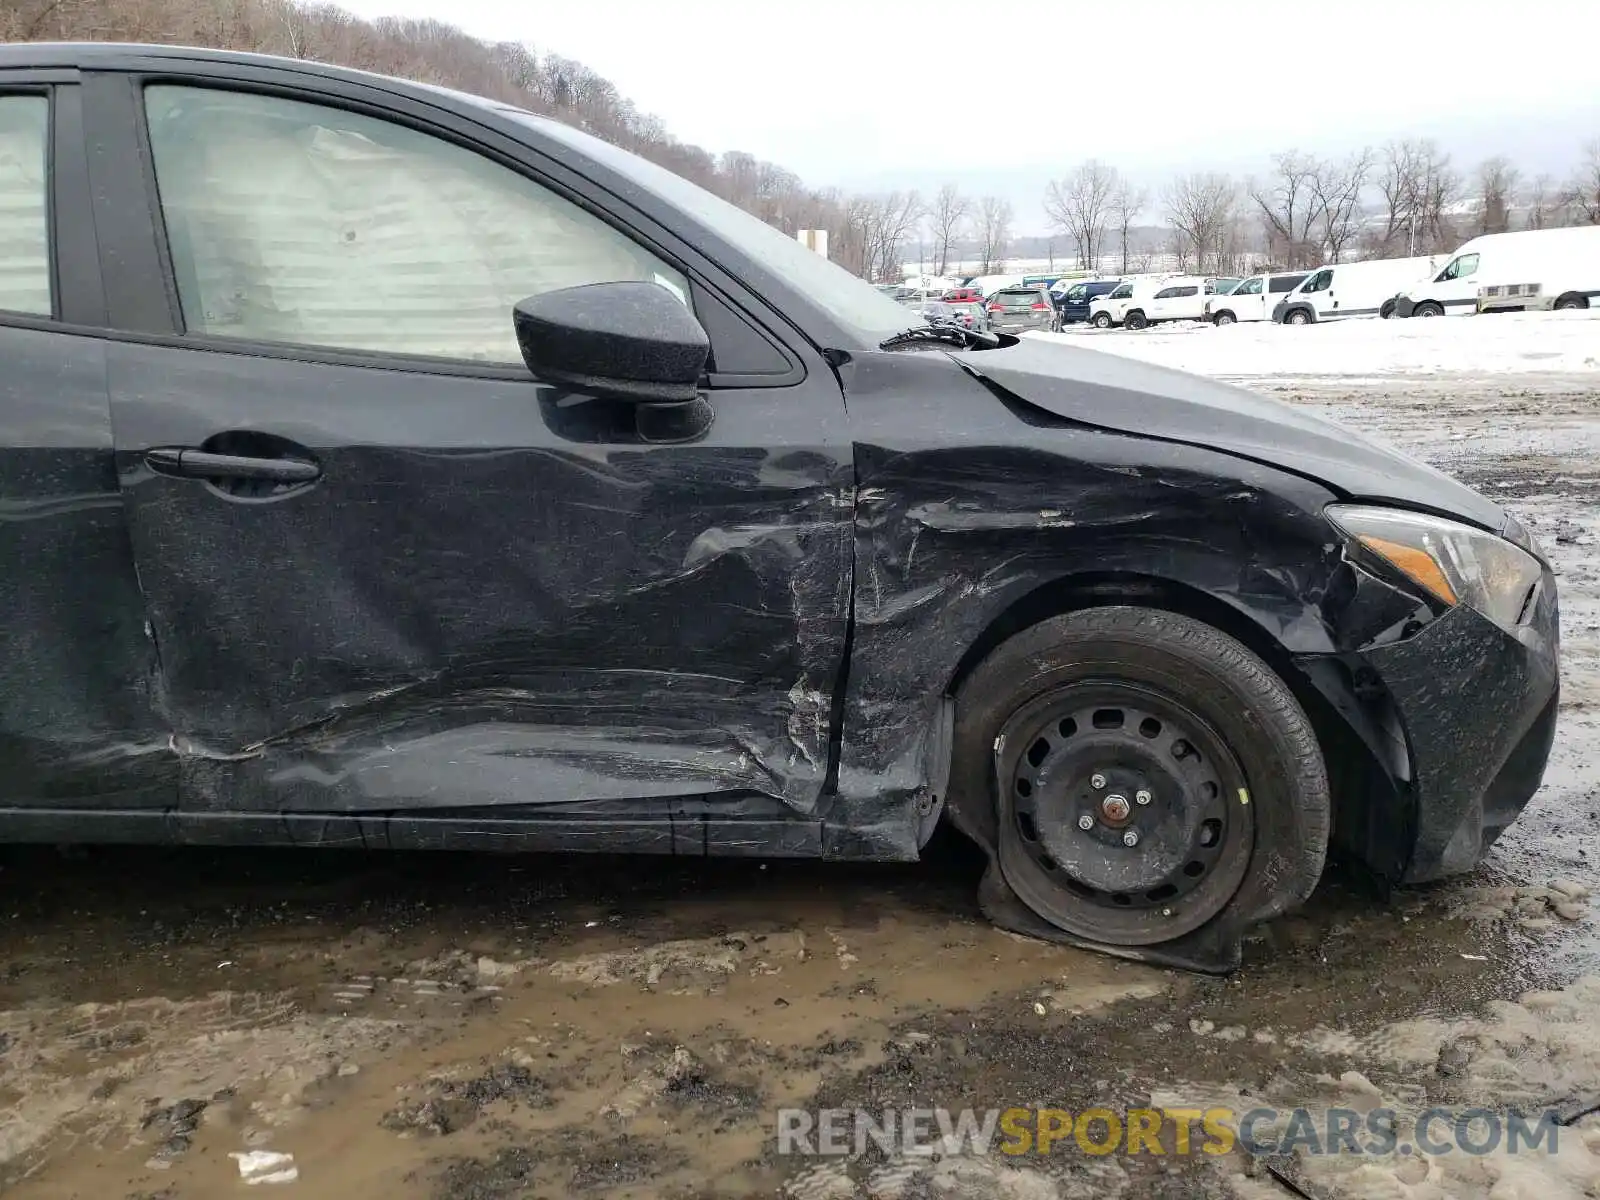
x=389, y=467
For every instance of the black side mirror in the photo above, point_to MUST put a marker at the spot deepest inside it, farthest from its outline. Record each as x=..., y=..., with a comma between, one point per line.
x=627, y=341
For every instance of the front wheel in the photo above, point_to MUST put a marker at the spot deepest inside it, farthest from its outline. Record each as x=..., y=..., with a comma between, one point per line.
x=1102, y=320
x=1147, y=773
x=1224, y=318
x=1298, y=317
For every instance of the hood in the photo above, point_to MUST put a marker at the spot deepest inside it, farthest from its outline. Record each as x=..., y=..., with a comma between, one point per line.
x=1124, y=395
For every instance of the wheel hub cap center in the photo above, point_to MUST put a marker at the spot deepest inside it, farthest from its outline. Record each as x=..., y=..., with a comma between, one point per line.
x=1115, y=807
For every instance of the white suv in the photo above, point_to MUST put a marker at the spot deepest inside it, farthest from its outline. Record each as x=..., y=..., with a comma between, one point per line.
x=1253, y=299
x=1181, y=298
x=1106, y=311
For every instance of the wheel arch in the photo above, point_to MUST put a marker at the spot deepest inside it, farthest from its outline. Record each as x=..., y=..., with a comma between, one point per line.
x=1366, y=811
x=1583, y=300
x=1091, y=589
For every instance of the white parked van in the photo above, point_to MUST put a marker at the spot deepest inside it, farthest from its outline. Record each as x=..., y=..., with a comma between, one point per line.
x=1253, y=299
x=1533, y=268
x=1360, y=289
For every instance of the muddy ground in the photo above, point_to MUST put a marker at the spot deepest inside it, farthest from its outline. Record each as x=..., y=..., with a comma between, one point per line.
x=480, y=1027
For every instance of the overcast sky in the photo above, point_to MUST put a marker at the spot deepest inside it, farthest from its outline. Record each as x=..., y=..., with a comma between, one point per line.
x=1002, y=95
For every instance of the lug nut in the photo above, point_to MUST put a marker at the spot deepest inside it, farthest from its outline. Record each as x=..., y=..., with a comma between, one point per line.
x=1141, y=796
x=1131, y=838
x=1086, y=822
x=1097, y=781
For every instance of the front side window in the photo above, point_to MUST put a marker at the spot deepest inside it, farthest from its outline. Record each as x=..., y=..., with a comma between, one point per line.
x=1250, y=287
x=1320, y=282
x=1459, y=268
x=1121, y=292
x=297, y=223
x=24, y=205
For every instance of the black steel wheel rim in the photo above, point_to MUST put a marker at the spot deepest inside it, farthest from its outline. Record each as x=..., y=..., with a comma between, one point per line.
x=1122, y=758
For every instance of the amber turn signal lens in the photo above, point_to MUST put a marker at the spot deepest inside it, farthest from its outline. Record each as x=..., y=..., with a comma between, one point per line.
x=1418, y=564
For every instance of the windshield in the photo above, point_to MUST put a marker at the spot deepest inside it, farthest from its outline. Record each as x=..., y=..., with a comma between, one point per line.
x=1077, y=292
x=854, y=303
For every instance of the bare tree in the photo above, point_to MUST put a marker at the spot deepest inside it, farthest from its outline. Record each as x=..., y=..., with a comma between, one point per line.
x=1583, y=189
x=1127, y=202
x=1496, y=186
x=1419, y=186
x=1543, y=202
x=1080, y=205
x=949, y=215
x=1336, y=191
x=1201, y=208
x=1288, y=208
x=879, y=229
x=994, y=233
x=1179, y=249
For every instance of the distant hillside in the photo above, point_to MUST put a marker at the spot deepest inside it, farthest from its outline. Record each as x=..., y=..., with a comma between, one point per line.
x=438, y=53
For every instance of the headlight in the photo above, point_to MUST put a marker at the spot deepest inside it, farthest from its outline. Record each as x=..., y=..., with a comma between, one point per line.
x=1457, y=563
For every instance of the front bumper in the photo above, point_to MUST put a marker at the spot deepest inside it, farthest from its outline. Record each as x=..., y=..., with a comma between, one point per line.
x=1404, y=306
x=1472, y=715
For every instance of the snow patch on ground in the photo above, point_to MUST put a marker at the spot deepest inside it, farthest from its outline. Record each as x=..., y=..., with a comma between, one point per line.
x=1501, y=343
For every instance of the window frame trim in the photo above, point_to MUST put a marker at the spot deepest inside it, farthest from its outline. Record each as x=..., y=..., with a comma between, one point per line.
x=107, y=90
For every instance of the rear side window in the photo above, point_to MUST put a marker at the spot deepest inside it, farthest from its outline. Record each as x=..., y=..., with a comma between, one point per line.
x=302, y=224
x=24, y=205
x=1173, y=293
x=1283, y=283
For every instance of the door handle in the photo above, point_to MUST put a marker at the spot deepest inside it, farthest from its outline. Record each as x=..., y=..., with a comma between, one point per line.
x=186, y=463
